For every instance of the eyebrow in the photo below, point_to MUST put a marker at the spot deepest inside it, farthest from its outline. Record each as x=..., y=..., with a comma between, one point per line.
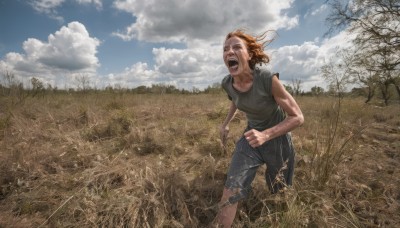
x=235, y=44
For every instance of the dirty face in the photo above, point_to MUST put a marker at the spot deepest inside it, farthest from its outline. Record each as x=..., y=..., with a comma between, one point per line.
x=236, y=56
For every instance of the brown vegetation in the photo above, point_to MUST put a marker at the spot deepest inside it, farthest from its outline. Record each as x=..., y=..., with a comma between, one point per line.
x=123, y=160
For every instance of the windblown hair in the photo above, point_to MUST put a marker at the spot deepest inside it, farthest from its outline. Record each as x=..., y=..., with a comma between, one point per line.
x=255, y=46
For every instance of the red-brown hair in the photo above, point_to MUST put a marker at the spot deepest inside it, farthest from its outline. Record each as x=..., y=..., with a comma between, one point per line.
x=255, y=46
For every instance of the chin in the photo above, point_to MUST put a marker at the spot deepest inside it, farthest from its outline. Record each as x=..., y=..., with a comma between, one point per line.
x=233, y=72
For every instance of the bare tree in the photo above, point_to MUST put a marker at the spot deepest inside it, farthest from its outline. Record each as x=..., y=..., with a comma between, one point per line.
x=9, y=79
x=339, y=72
x=82, y=82
x=370, y=80
x=296, y=86
x=12, y=86
x=376, y=24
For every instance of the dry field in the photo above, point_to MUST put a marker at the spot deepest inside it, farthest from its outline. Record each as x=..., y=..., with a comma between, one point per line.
x=123, y=160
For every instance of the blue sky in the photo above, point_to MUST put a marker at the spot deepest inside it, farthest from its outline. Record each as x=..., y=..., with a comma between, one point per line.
x=142, y=42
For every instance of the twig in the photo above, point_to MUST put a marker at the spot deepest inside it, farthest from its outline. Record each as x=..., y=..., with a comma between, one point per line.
x=56, y=210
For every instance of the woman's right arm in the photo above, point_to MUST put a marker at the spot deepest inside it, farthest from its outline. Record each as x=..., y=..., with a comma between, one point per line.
x=224, y=129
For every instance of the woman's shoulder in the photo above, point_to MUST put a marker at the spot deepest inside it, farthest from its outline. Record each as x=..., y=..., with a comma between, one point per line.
x=265, y=79
x=264, y=74
x=226, y=80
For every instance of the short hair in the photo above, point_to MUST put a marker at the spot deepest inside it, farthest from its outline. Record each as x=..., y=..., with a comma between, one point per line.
x=255, y=46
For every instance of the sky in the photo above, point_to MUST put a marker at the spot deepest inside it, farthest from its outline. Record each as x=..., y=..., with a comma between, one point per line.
x=129, y=43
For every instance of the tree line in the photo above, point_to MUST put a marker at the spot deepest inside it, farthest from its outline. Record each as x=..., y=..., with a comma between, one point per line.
x=11, y=86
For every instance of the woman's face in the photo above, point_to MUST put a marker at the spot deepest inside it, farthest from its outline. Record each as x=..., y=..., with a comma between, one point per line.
x=236, y=56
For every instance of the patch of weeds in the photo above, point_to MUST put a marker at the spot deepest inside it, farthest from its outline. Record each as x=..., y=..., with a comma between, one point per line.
x=5, y=123
x=116, y=127
x=29, y=114
x=29, y=205
x=381, y=118
x=83, y=117
x=60, y=104
x=217, y=114
x=114, y=105
x=212, y=147
x=195, y=135
x=149, y=146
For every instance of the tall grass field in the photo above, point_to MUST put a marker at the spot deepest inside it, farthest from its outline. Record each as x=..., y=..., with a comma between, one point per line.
x=146, y=160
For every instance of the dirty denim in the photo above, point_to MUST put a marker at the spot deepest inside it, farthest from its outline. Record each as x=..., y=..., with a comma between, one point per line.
x=277, y=154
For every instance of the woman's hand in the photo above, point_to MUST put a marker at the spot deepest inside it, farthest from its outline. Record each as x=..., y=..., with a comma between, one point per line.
x=256, y=138
x=224, y=131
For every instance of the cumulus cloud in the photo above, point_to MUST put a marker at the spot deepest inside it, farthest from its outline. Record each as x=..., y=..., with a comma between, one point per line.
x=318, y=11
x=136, y=75
x=97, y=3
x=208, y=20
x=293, y=60
x=196, y=66
x=304, y=61
x=69, y=50
x=45, y=6
x=183, y=68
x=49, y=7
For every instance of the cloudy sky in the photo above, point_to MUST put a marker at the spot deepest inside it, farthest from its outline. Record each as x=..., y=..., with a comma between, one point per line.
x=142, y=42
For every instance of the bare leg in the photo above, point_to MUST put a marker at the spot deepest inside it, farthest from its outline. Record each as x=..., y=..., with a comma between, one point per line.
x=227, y=213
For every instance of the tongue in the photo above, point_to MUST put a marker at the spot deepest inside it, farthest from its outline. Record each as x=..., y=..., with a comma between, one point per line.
x=234, y=67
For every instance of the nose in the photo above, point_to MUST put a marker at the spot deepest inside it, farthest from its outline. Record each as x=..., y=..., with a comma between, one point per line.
x=228, y=50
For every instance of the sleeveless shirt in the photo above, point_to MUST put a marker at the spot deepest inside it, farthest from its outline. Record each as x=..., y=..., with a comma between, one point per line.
x=257, y=103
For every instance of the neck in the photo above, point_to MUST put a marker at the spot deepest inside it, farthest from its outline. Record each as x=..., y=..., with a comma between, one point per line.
x=244, y=77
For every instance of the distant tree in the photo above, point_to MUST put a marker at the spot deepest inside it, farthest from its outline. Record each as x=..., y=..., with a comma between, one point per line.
x=339, y=72
x=289, y=89
x=140, y=89
x=296, y=86
x=368, y=79
x=117, y=86
x=195, y=90
x=171, y=89
x=82, y=82
x=214, y=88
x=316, y=91
x=376, y=24
x=158, y=88
x=37, y=86
x=49, y=87
x=9, y=79
x=12, y=86
x=359, y=91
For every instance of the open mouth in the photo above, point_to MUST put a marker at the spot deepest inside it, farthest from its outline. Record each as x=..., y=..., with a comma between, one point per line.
x=232, y=63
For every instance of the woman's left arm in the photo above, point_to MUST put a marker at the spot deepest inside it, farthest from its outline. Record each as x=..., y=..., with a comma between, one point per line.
x=294, y=117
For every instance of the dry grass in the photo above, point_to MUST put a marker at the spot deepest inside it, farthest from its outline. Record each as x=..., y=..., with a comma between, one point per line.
x=107, y=160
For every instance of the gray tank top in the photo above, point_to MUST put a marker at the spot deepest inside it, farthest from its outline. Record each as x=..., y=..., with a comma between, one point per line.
x=260, y=107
